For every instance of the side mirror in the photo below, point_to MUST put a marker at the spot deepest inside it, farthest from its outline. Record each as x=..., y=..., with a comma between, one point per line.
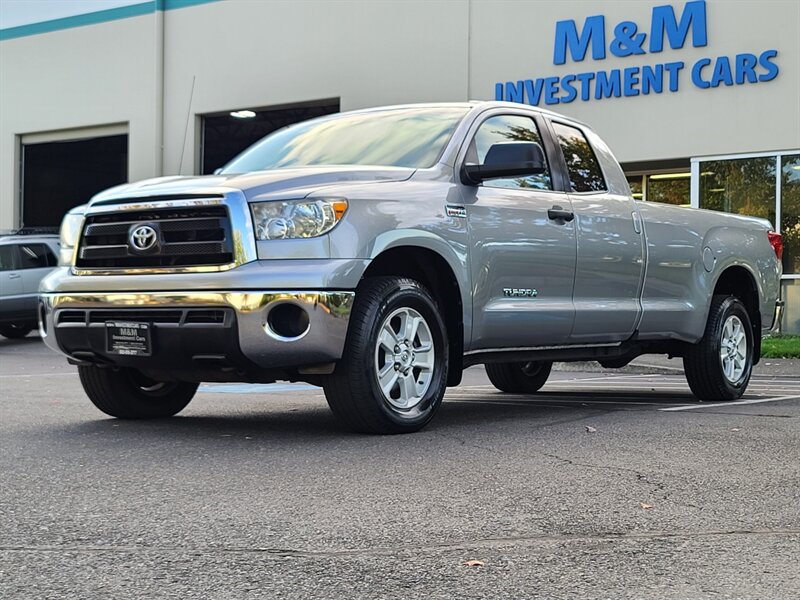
x=506, y=159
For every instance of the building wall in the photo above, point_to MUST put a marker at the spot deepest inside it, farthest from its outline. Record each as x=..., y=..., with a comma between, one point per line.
x=219, y=56
x=515, y=41
x=259, y=54
x=77, y=78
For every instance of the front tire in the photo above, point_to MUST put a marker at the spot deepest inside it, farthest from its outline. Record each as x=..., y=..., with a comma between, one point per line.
x=519, y=377
x=393, y=373
x=129, y=394
x=719, y=366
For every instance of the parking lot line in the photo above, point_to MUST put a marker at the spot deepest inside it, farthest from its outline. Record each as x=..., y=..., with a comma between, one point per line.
x=734, y=403
x=69, y=373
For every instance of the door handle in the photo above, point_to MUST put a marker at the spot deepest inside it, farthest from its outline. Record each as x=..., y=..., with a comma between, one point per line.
x=557, y=213
x=14, y=275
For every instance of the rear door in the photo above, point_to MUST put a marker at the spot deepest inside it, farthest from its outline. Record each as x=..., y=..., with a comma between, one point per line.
x=11, y=302
x=522, y=262
x=36, y=261
x=610, y=262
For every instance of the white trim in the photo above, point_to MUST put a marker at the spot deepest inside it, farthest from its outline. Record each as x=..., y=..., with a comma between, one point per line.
x=645, y=187
x=790, y=277
x=745, y=155
x=78, y=133
x=778, y=199
x=694, y=185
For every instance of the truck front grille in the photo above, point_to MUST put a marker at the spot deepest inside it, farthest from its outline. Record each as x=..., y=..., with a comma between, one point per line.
x=194, y=236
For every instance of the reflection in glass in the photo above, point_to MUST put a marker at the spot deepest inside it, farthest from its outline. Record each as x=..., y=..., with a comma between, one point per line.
x=413, y=138
x=744, y=186
x=507, y=128
x=585, y=174
x=637, y=189
x=670, y=190
x=790, y=212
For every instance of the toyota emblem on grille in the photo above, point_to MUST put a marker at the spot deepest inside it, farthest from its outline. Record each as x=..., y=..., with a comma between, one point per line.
x=142, y=238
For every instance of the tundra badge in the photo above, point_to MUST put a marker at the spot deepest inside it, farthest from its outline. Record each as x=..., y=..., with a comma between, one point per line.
x=520, y=292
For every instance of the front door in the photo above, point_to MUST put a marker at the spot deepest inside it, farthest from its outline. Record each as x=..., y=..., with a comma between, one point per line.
x=522, y=261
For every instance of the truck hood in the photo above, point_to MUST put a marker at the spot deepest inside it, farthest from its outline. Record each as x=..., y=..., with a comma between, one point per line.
x=296, y=182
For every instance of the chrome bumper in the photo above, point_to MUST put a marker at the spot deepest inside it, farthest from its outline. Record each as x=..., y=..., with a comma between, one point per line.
x=321, y=342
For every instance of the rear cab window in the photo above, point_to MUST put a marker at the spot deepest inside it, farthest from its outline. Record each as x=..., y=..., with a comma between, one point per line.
x=583, y=168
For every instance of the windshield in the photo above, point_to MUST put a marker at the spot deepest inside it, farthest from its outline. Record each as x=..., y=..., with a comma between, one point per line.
x=412, y=137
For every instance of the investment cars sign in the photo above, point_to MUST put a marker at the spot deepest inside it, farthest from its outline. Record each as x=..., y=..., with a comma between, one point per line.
x=627, y=39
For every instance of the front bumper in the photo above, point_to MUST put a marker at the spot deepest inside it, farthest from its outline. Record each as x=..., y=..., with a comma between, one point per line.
x=240, y=336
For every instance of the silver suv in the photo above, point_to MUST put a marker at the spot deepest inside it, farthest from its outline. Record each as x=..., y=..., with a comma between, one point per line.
x=25, y=258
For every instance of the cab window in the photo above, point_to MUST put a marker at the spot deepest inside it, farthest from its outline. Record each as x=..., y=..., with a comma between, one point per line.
x=36, y=256
x=8, y=258
x=585, y=174
x=507, y=128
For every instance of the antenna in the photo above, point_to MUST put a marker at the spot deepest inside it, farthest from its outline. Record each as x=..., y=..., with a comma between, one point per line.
x=186, y=129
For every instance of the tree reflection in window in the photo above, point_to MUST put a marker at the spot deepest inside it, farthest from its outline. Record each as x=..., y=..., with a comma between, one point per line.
x=505, y=128
x=744, y=186
x=585, y=174
x=790, y=213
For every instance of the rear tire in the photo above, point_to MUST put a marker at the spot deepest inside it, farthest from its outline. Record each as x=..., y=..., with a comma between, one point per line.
x=129, y=394
x=393, y=373
x=519, y=377
x=15, y=331
x=719, y=366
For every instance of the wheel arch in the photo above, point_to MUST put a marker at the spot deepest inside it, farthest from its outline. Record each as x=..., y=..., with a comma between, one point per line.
x=737, y=280
x=433, y=271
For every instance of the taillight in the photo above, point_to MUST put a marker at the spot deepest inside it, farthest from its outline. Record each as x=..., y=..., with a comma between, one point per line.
x=776, y=241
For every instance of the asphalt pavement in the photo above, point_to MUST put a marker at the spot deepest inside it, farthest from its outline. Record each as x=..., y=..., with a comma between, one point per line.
x=607, y=484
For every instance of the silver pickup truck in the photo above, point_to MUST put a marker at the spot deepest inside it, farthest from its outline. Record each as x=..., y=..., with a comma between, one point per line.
x=378, y=253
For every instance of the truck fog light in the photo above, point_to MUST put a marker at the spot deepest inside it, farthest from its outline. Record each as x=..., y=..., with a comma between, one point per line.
x=287, y=321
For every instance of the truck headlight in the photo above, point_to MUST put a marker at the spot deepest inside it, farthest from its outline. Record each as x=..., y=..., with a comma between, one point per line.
x=281, y=220
x=70, y=233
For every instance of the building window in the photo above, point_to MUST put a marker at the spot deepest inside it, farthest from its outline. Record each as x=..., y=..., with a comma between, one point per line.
x=744, y=186
x=760, y=185
x=636, y=183
x=790, y=213
x=668, y=188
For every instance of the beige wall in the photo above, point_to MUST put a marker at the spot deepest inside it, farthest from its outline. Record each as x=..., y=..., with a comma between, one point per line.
x=76, y=78
x=243, y=53
x=266, y=53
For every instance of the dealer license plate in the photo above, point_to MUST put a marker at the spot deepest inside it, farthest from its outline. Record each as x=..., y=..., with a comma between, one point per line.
x=129, y=339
